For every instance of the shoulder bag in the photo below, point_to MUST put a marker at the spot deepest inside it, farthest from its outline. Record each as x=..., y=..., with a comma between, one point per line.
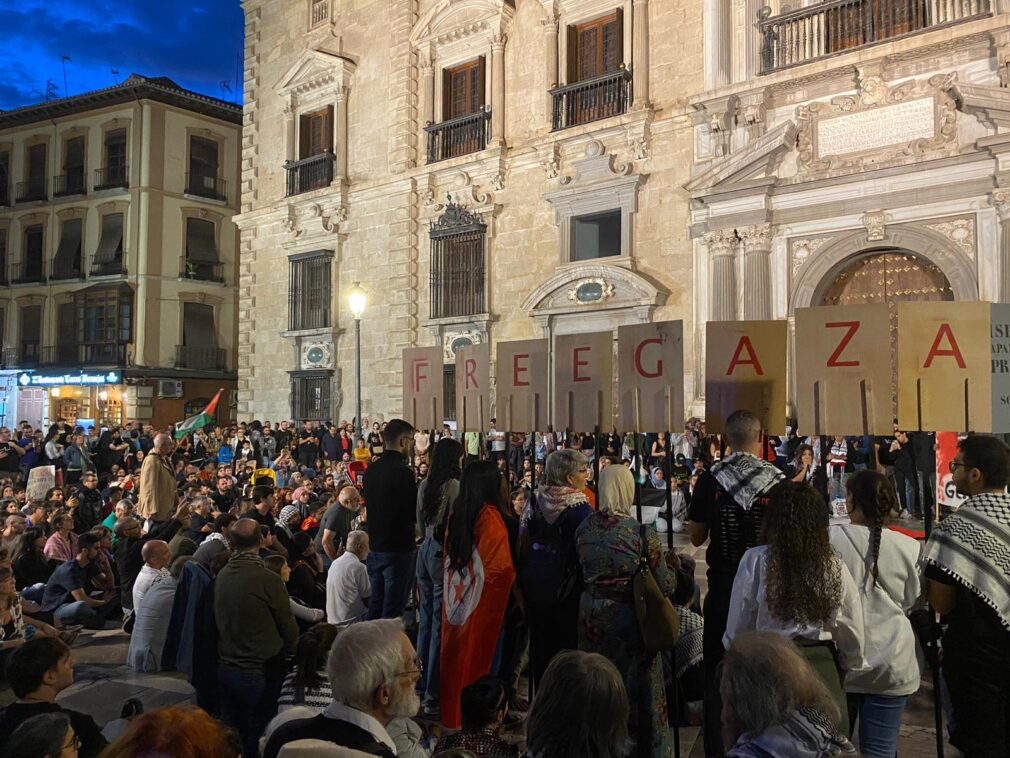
x=657, y=619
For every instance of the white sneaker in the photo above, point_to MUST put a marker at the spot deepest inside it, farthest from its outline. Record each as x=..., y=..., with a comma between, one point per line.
x=904, y=514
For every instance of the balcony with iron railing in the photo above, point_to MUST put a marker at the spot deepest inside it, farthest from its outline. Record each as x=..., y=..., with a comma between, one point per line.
x=62, y=354
x=591, y=100
x=28, y=272
x=5, y=195
x=202, y=185
x=829, y=28
x=31, y=191
x=102, y=353
x=310, y=173
x=70, y=183
x=67, y=268
x=458, y=136
x=115, y=267
x=202, y=358
x=115, y=176
x=26, y=355
x=201, y=271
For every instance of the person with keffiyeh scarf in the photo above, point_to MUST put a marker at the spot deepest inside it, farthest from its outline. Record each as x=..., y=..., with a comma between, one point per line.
x=967, y=566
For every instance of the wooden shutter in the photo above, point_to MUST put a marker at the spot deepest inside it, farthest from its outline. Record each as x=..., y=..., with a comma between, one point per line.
x=479, y=74
x=69, y=248
x=327, y=141
x=37, y=164
x=589, y=52
x=572, y=64
x=75, y=154
x=315, y=133
x=198, y=325
x=200, y=243
x=446, y=94
x=613, y=43
x=110, y=245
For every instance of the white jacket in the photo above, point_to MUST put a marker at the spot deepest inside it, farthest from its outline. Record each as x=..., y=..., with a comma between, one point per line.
x=890, y=645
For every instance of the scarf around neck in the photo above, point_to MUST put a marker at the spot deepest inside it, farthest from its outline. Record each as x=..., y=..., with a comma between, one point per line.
x=973, y=546
x=553, y=500
x=804, y=733
x=746, y=477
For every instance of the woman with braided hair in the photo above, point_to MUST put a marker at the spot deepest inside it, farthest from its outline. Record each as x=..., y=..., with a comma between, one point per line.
x=884, y=565
x=796, y=586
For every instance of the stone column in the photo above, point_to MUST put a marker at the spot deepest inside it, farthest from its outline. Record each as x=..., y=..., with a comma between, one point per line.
x=340, y=135
x=722, y=251
x=290, y=134
x=427, y=90
x=1000, y=200
x=498, y=89
x=716, y=27
x=757, y=271
x=551, y=57
x=640, y=59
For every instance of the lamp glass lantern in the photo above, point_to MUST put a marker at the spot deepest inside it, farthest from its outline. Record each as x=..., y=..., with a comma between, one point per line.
x=357, y=299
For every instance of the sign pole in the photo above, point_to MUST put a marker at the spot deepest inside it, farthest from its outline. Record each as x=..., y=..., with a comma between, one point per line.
x=669, y=492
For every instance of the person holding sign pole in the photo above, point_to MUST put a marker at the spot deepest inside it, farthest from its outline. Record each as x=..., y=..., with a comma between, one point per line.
x=968, y=581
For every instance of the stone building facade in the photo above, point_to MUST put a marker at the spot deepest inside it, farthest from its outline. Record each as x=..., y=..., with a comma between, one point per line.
x=487, y=170
x=850, y=153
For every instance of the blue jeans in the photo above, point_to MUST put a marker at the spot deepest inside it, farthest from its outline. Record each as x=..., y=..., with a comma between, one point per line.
x=248, y=702
x=34, y=593
x=429, y=620
x=90, y=617
x=879, y=720
x=389, y=575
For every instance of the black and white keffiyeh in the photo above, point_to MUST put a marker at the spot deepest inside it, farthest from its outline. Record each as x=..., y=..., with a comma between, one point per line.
x=973, y=546
x=746, y=477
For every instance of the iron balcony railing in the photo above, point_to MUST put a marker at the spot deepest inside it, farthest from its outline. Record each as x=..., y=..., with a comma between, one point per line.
x=202, y=185
x=591, y=100
x=116, y=267
x=26, y=355
x=204, y=358
x=69, y=268
x=5, y=195
x=29, y=272
x=70, y=183
x=102, y=353
x=834, y=26
x=114, y=176
x=32, y=190
x=458, y=136
x=61, y=354
x=310, y=173
x=202, y=272
x=8, y=357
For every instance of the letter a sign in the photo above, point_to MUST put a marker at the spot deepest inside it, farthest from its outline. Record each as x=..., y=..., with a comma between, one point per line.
x=422, y=387
x=473, y=393
x=944, y=367
x=745, y=368
x=650, y=376
x=843, y=370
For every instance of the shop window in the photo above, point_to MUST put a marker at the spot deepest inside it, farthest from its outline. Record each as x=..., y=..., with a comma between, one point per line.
x=597, y=235
x=309, y=290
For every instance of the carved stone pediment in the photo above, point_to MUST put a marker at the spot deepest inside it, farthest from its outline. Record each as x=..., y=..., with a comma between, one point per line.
x=880, y=125
x=449, y=21
x=316, y=70
x=759, y=158
x=990, y=104
x=589, y=287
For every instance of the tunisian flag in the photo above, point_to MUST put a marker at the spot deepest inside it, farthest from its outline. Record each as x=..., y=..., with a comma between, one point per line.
x=473, y=608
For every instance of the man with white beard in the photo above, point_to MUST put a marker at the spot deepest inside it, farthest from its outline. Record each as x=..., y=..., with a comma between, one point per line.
x=373, y=672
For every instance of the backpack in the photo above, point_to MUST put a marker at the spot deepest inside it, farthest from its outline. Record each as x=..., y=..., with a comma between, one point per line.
x=548, y=562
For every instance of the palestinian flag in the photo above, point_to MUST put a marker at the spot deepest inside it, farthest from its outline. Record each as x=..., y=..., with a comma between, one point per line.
x=200, y=420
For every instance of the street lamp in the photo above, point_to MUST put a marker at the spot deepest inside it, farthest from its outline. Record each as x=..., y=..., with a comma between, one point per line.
x=356, y=299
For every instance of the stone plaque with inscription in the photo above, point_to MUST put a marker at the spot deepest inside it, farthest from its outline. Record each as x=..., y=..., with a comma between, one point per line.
x=877, y=128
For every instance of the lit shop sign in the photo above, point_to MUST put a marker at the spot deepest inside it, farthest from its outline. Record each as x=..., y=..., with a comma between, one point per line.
x=54, y=380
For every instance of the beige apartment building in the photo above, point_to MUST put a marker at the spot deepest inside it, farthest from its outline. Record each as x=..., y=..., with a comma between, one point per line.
x=486, y=170
x=118, y=256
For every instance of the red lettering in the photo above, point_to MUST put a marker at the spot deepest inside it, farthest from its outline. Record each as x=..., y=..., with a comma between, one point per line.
x=638, y=359
x=517, y=369
x=416, y=376
x=953, y=351
x=853, y=327
x=751, y=360
x=576, y=362
x=469, y=369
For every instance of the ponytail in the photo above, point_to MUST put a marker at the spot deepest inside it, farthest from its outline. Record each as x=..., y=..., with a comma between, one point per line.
x=873, y=494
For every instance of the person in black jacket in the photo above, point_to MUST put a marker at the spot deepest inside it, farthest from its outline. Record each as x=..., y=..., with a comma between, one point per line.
x=89, y=504
x=924, y=456
x=391, y=494
x=129, y=560
x=900, y=452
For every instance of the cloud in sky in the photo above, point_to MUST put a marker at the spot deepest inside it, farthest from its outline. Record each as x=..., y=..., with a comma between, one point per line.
x=193, y=42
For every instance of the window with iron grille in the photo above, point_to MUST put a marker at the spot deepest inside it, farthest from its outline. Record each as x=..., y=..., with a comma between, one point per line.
x=449, y=391
x=310, y=395
x=310, y=291
x=458, y=241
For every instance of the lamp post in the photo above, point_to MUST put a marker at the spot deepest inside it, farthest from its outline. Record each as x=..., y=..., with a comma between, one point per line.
x=356, y=298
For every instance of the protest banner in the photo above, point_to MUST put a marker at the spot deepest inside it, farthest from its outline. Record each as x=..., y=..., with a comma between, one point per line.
x=745, y=368
x=521, y=373
x=650, y=376
x=422, y=387
x=1000, y=355
x=946, y=493
x=473, y=387
x=843, y=370
x=583, y=381
x=41, y=479
x=944, y=366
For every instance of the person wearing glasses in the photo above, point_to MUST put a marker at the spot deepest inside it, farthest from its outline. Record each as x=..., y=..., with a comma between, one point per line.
x=373, y=671
x=967, y=561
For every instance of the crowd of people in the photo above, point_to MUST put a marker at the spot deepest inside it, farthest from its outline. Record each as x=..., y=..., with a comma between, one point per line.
x=415, y=593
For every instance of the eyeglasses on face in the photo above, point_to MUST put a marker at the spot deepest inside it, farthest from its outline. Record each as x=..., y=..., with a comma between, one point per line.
x=411, y=672
x=954, y=464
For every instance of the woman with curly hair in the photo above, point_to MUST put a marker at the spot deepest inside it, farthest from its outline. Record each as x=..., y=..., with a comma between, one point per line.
x=796, y=586
x=885, y=567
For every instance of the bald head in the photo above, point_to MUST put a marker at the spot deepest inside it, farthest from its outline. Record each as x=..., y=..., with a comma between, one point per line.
x=162, y=444
x=156, y=554
x=245, y=535
x=349, y=498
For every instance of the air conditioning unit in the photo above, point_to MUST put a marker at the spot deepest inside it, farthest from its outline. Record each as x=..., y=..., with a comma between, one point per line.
x=169, y=388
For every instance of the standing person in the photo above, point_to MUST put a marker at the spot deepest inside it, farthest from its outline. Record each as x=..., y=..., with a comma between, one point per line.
x=885, y=567
x=336, y=524
x=610, y=547
x=478, y=581
x=255, y=628
x=77, y=458
x=497, y=441
x=968, y=581
x=435, y=496
x=795, y=585
x=10, y=454
x=924, y=457
x=308, y=446
x=900, y=452
x=548, y=563
x=727, y=508
x=158, y=494
x=392, y=495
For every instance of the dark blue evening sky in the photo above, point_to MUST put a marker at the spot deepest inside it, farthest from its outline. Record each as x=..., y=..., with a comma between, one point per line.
x=193, y=42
